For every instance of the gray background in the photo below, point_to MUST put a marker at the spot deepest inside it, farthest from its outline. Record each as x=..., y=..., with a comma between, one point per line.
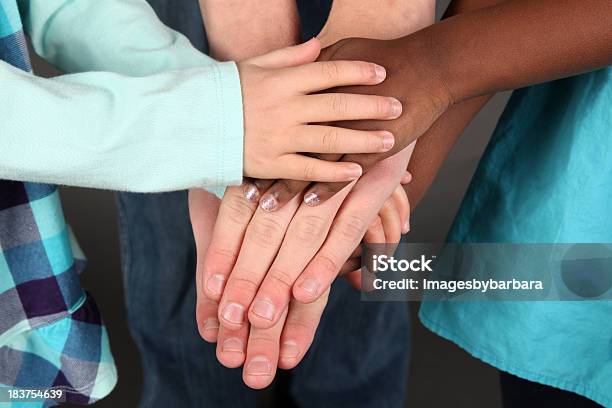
x=441, y=373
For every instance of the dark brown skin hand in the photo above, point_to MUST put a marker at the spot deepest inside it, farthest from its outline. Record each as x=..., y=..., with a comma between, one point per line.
x=427, y=100
x=505, y=46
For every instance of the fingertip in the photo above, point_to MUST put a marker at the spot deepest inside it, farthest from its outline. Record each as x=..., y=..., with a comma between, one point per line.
x=231, y=352
x=231, y=316
x=258, y=373
x=314, y=46
x=259, y=323
x=289, y=355
x=209, y=329
x=230, y=360
x=352, y=171
x=306, y=290
x=268, y=203
x=388, y=141
x=396, y=108
x=214, y=286
x=315, y=43
x=380, y=73
x=262, y=314
x=250, y=192
x=406, y=226
x=311, y=199
x=406, y=178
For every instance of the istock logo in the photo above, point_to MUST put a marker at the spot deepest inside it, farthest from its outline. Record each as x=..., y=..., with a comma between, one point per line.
x=384, y=263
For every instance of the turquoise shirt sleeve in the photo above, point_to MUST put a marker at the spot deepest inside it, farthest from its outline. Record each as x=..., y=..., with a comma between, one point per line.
x=162, y=117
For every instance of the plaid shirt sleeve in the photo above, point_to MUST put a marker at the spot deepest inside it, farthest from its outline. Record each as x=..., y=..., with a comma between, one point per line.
x=51, y=333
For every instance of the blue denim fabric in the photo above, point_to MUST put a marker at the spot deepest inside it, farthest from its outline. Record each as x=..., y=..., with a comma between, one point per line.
x=360, y=354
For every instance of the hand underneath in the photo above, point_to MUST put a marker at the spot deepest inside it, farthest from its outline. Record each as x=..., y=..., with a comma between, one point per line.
x=392, y=221
x=247, y=278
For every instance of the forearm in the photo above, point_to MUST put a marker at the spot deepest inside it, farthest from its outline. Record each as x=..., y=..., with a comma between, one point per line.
x=518, y=43
x=237, y=29
x=434, y=146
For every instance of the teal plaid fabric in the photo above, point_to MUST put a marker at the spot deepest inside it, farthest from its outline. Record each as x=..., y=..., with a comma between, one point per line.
x=51, y=333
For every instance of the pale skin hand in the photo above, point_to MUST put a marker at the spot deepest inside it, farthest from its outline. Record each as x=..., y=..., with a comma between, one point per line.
x=302, y=319
x=360, y=208
x=249, y=260
x=281, y=114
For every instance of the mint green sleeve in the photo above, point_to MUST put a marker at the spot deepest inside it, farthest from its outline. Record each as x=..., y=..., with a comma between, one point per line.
x=162, y=117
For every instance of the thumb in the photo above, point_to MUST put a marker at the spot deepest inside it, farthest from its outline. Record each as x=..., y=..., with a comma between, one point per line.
x=289, y=56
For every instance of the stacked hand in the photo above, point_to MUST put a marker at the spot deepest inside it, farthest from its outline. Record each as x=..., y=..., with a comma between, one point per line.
x=424, y=98
x=284, y=118
x=264, y=279
x=263, y=283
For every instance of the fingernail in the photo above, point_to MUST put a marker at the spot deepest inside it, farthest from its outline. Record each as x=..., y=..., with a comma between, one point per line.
x=396, y=108
x=354, y=171
x=233, y=345
x=406, y=227
x=211, y=324
x=234, y=313
x=268, y=203
x=388, y=141
x=381, y=72
x=311, y=199
x=259, y=365
x=215, y=284
x=251, y=192
x=310, y=285
x=263, y=309
x=289, y=349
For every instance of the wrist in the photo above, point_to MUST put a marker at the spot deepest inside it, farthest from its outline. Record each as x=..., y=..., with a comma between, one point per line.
x=424, y=63
x=370, y=22
x=428, y=59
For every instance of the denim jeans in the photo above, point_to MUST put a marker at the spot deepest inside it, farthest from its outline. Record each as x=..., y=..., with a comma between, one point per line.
x=359, y=357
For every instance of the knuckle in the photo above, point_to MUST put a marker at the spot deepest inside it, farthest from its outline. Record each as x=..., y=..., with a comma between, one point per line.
x=245, y=285
x=239, y=211
x=329, y=140
x=376, y=223
x=280, y=277
x=388, y=205
x=217, y=256
x=352, y=228
x=309, y=171
x=309, y=228
x=300, y=325
x=327, y=265
x=267, y=231
x=268, y=342
x=331, y=70
x=339, y=104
